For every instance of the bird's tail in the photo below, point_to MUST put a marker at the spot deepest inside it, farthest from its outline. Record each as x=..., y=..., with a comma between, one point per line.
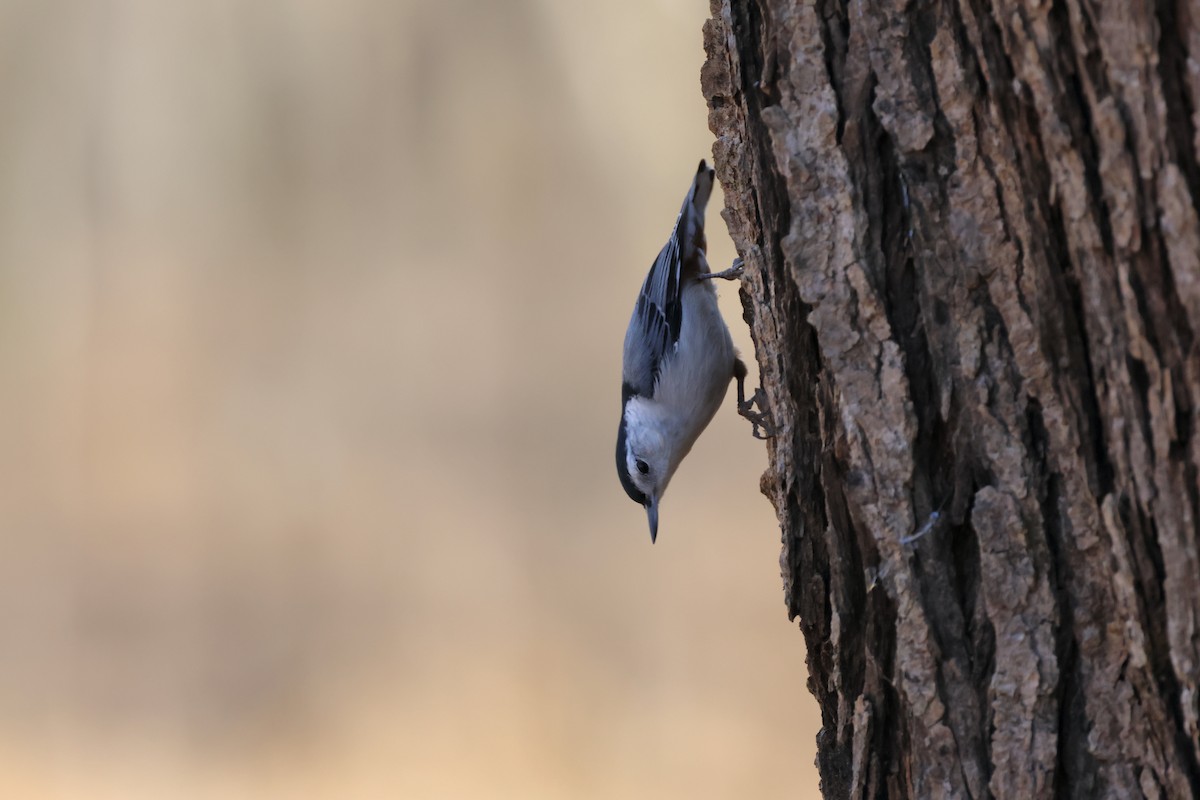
x=690, y=228
x=702, y=185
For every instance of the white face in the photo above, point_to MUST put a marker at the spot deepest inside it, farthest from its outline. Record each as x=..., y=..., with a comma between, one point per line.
x=648, y=456
x=648, y=468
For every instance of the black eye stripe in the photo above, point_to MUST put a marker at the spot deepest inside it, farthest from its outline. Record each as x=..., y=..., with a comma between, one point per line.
x=623, y=454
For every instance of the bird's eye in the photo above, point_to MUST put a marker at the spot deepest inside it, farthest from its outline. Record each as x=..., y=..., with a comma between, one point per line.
x=642, y=466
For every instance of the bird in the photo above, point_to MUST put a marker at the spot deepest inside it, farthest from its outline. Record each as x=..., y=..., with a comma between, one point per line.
x=678, y=358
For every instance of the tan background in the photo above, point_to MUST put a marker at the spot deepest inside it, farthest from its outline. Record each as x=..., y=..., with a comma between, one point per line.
x=310, y=319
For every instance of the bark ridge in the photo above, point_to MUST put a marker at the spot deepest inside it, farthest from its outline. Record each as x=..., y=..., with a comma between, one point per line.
x=973, y=283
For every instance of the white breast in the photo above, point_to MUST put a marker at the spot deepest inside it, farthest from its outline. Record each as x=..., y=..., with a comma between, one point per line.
x=692, y=383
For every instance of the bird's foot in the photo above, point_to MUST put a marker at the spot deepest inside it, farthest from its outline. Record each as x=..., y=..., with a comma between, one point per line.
x=758, y=419
x=731, y=274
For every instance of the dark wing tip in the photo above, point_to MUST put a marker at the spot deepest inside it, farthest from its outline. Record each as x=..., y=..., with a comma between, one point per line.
x=702, y=186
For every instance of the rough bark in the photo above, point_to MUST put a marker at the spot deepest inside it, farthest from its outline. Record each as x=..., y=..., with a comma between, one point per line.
x=973, y=283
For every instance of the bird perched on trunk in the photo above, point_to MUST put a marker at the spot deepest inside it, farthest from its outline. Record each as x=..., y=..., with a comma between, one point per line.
x=679, y=359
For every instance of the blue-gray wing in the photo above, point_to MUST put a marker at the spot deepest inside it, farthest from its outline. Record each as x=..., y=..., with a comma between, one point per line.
x=653, y=333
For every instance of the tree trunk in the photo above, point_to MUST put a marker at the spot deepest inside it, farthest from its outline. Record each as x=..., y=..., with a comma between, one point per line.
x=973, y=283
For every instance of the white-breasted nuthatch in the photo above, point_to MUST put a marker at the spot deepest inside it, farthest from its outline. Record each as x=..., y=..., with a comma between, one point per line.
x=679, y=358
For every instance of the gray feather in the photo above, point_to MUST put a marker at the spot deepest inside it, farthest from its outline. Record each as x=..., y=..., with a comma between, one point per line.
x=653, y=333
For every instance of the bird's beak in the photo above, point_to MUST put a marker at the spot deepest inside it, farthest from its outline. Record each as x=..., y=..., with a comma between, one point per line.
x=652, y=516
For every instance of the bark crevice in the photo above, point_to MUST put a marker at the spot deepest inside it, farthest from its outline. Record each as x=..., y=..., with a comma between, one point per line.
x=973, y=286
x=973, y=283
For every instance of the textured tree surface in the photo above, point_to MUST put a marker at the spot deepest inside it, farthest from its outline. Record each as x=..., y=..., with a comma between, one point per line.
x=973, y=282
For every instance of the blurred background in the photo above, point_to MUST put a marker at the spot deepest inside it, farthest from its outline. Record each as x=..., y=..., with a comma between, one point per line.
x=310, y=328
